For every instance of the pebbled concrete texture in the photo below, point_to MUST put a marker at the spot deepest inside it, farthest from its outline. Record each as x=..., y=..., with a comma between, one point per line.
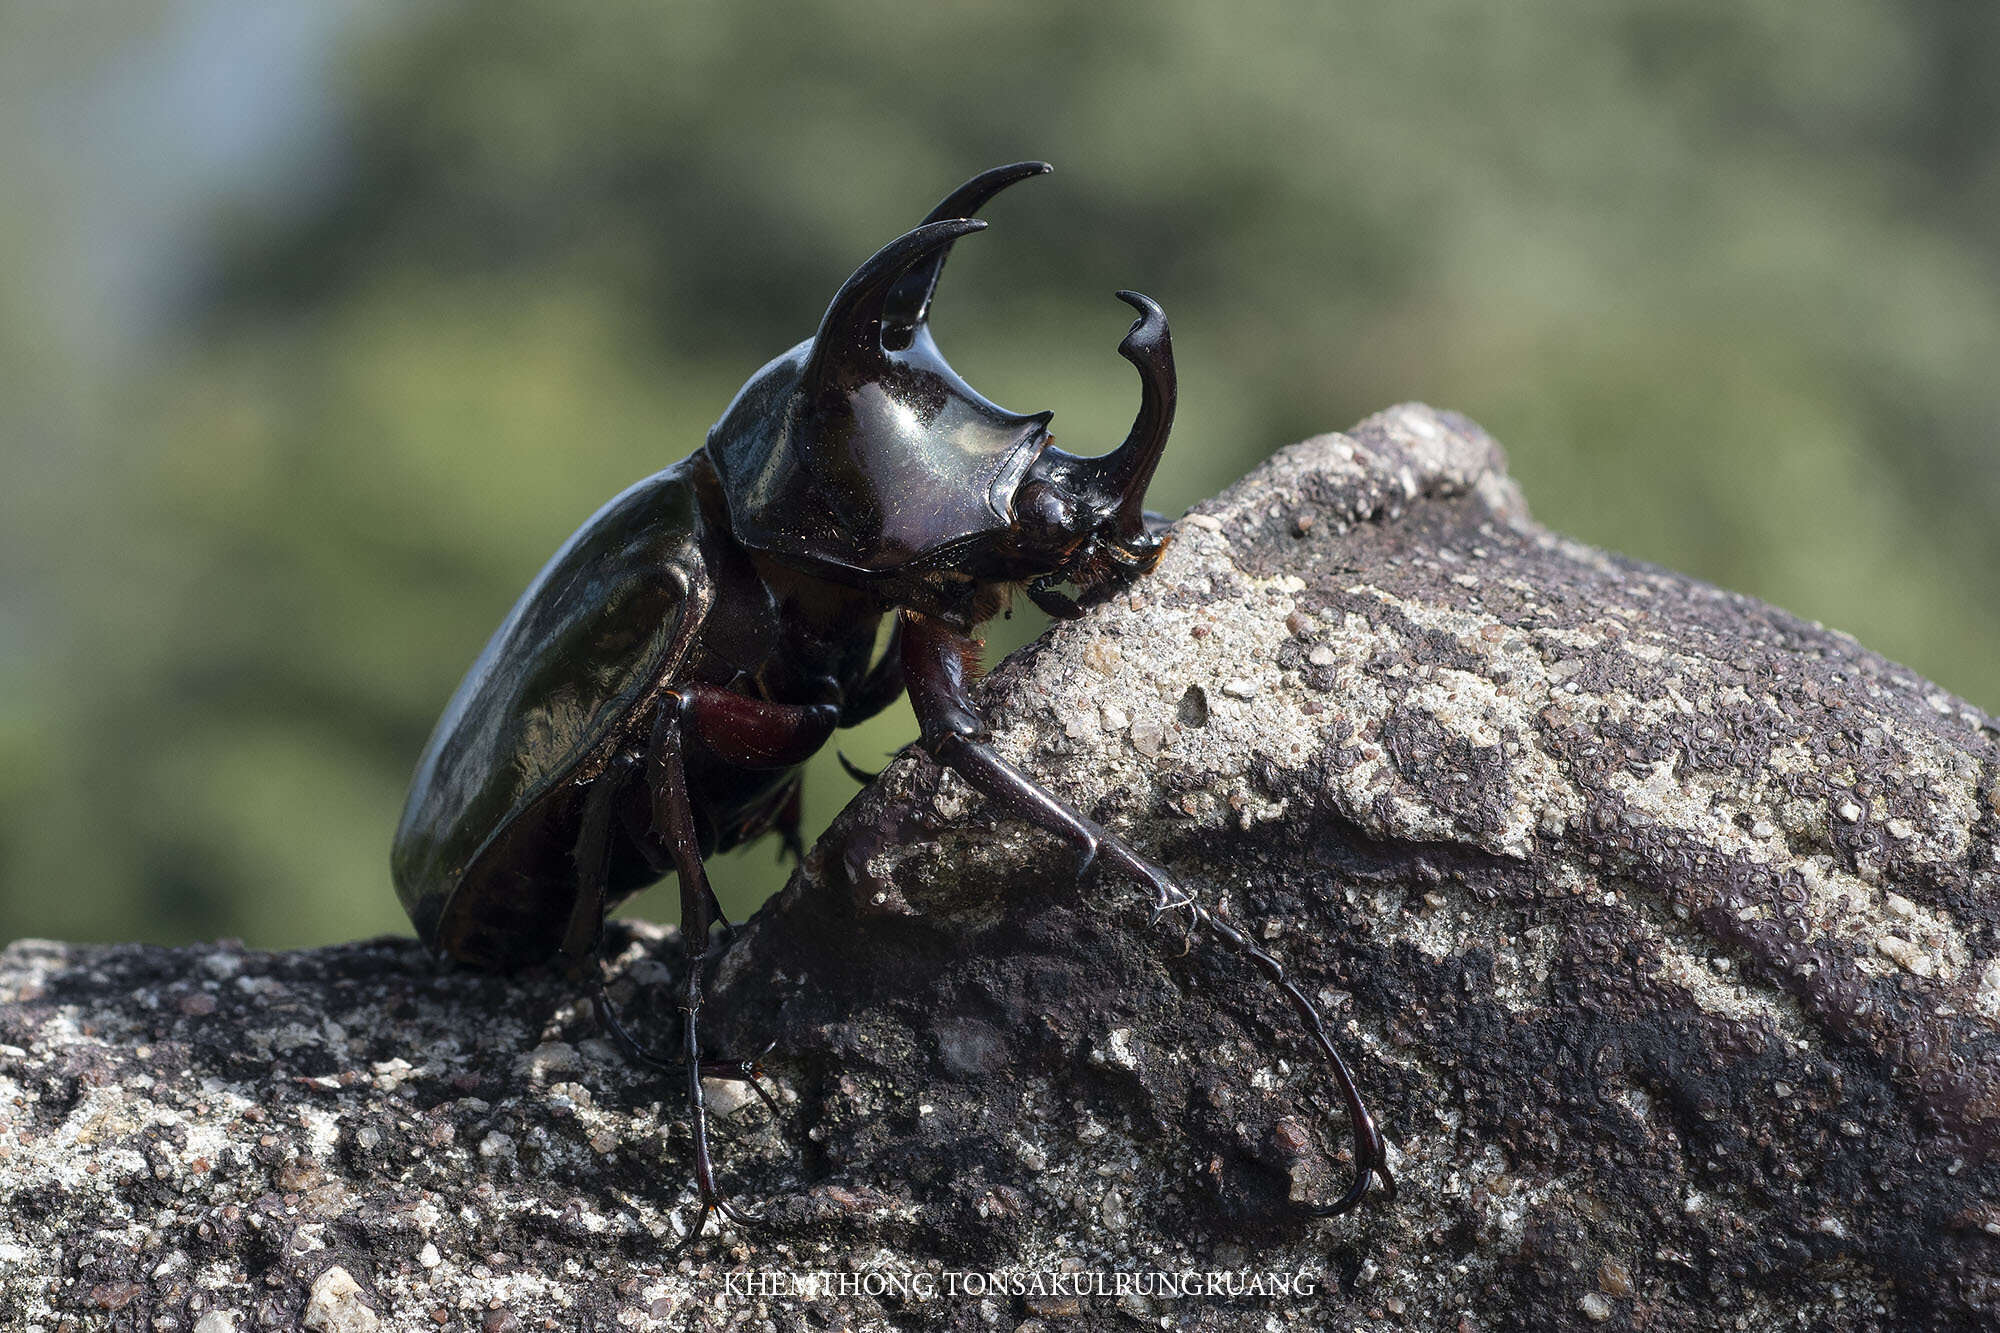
x=1660, y=927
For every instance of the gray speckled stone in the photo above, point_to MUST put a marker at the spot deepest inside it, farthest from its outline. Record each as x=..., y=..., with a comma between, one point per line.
x=1661, y=927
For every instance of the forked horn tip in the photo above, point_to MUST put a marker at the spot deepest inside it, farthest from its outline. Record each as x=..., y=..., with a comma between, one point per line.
x=1148, y=334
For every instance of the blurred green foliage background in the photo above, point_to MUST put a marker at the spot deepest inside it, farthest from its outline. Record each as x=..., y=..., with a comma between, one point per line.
x=322, y=324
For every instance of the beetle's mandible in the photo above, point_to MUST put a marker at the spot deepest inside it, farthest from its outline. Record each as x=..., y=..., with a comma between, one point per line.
x=651, y=698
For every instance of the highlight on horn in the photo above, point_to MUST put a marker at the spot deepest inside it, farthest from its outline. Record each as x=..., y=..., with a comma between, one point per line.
x=851, y=330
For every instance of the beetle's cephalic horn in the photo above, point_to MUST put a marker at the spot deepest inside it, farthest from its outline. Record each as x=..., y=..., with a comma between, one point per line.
x=909, y=303
x=1128, y=470
x=850, y=334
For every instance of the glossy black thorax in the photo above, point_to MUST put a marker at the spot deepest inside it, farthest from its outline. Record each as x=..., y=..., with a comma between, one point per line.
x=882, y=469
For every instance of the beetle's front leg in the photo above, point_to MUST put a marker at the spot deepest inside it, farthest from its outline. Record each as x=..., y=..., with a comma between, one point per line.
x=936, y=660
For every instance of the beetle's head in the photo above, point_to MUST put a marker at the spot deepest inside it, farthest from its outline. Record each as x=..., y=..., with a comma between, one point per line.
x=863, y=456
x=1083, y=520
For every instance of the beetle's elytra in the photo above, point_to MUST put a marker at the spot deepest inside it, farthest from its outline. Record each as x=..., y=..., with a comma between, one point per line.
x=651, y=697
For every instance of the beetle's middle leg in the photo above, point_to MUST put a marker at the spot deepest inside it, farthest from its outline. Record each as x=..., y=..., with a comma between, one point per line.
x=749, y=733
x=935, y=665
x=582, y=948
x=741, y=731
x=637, y=820
x=666, y=777
x=752, y=733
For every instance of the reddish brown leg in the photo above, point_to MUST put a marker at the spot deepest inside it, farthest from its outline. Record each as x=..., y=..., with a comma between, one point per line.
x=592, y=858
x=758, y=734
x=934, y=664
x=754, y=733
x=882, y=687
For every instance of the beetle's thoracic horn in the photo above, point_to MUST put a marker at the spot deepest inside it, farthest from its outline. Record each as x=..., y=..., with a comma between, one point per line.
x=850, y=333
x=1128, y=469
x=909, y=303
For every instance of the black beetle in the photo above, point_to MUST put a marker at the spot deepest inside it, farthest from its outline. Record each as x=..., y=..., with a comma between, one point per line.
x=650, y=699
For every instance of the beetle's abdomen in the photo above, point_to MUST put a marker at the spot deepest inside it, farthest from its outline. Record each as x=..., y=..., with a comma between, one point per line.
x=551, y=695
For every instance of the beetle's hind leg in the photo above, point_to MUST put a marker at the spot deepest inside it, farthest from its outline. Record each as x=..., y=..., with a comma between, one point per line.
x=955, y=736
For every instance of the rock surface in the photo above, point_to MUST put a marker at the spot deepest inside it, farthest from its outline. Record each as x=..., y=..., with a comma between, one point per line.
x=1659, y=925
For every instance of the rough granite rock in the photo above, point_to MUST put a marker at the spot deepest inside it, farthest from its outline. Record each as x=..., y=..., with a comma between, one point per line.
x=1659, y=925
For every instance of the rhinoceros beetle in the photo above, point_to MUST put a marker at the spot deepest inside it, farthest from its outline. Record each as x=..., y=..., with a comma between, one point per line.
x=650, y=699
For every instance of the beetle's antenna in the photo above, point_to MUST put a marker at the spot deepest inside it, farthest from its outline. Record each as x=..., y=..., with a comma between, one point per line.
x=850, y=333
x=909, y=305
